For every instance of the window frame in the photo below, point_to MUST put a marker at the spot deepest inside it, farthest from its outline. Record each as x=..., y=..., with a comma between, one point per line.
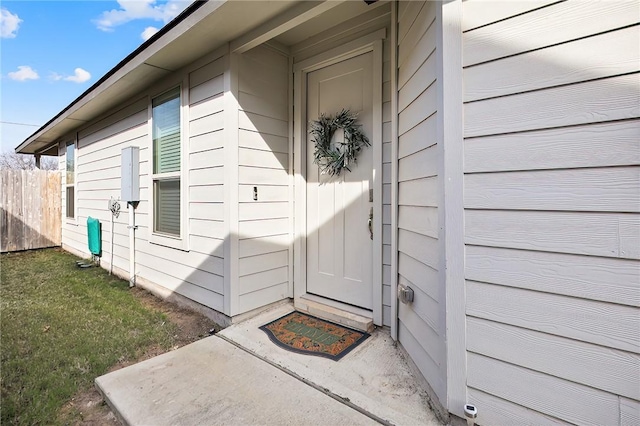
x=68, y=219
x=181, y=241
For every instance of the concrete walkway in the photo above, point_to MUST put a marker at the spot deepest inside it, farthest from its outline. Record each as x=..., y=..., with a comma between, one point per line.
x=240, y=378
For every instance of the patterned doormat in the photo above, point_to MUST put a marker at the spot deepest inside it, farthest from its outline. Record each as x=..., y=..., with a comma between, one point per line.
x=305, y=334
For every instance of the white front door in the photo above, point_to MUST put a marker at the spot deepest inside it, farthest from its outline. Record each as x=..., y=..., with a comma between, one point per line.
x=339, y=244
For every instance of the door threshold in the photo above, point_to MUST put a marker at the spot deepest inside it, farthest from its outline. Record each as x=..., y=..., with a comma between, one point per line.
x=339, y=313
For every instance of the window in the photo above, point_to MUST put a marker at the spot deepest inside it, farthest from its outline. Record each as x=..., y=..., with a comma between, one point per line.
x=165, y=118
x=71, y=180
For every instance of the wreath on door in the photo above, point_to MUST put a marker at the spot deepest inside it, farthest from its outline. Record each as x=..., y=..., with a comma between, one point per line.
x=333, y=159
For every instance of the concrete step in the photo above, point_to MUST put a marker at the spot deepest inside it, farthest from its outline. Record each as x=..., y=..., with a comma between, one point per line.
x=335, y=314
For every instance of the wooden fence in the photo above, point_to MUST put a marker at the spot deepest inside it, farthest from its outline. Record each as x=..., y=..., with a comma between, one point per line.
x=30, y=215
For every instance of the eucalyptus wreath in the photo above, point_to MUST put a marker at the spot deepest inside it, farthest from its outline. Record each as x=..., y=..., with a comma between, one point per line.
x=332, y=160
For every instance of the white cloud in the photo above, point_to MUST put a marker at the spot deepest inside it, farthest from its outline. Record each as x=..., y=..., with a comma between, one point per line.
x=80, y=76
x=9, y=23
x=24, y=73
x=140, y=9
x=148, y=33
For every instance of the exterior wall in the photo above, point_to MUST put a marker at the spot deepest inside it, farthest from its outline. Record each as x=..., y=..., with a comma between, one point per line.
x=259, y=268
x=198, y=273
x=263, y=163
x=552, y=211
x=420, y=328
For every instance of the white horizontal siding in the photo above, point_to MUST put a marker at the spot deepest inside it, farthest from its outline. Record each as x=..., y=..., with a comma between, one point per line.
x=421, y=330
x=263, y=142
x=540, y=28
x=265, y=295
x=206, y=177
x=552, y=219
x=594, y=234
x=180, y=286
x=498, y=411
x=418, y=192
x=612, y=189
x=98, y=174
x=113, y=123
x=255, y=282
x=206, y=124
x=430, y=370
x=205, y=103
x=197, y=274
x=263, y=160
x=254, y=264
x=266, y=193
x=614, y=53
x=605, y=324
x=248, y=247
x=605, y=279
x=422, y=275
x=484, y=12
x=248, y=175
x=580, y=362
x=418, y=138
x=562, y=148
x=569, y=401
x=629, y=411
x=264, y=227
x=570, y=105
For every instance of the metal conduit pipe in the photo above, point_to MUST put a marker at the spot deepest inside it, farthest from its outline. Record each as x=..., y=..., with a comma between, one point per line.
x=132, y=244
x=114, y=207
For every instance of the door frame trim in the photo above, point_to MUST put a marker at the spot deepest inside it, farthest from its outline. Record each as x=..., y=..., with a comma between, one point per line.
x=368, y=43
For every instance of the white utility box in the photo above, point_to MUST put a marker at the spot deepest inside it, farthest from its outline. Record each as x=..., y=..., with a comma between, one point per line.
x=130, y=174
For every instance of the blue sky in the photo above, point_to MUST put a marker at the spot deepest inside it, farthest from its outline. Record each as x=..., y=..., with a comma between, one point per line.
x=52, y=51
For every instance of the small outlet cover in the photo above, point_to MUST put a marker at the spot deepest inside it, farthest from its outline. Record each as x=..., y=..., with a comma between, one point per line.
x=405, y=293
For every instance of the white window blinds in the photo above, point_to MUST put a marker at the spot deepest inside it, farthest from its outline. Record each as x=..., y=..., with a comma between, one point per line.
x=166, y=162
x=166, y=132
x=167, y=213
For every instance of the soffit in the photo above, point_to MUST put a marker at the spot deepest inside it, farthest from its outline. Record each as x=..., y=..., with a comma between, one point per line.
x=339, y=14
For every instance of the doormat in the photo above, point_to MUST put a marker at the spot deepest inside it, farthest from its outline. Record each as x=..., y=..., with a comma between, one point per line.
x=305, y=334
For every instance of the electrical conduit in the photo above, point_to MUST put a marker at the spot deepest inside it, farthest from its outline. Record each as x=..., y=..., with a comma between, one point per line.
x=132, y=244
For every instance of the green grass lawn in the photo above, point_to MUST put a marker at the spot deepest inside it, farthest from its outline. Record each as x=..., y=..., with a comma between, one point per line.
x=60, y=327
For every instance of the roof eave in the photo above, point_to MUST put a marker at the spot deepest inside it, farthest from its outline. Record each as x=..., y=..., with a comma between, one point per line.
x=33, y=144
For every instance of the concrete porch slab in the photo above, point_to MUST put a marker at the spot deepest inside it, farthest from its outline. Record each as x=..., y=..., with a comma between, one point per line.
x=335, y=315
x=374, y=377
x=213, y=382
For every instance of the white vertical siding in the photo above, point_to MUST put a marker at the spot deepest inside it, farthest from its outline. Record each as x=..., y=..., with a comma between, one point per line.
x=552, y=211
x=263, y=161
x=197, y=274
x=421, y=330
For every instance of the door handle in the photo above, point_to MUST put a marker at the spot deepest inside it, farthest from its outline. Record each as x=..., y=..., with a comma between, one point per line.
x=370, y=223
